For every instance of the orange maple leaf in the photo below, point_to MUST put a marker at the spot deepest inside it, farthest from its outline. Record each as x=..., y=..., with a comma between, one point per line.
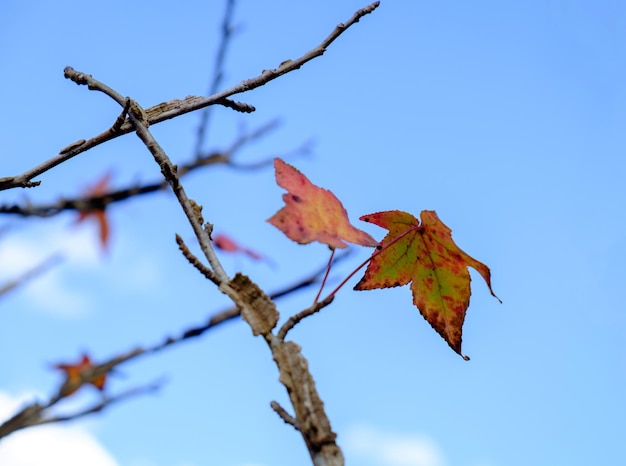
x=312, y=213
x=78, y=374
x=99, y=189
x=425, y=255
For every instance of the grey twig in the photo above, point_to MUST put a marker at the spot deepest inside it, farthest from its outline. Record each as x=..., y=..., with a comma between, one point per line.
x=193, y=260
x=284, y=415
x=191, y=209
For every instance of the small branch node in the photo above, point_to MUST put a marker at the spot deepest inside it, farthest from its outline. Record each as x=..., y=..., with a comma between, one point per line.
x=138, y=112
x=121, y=119
x=197, y=211
x=72, y=146
x=208, y=227
x=237, y=106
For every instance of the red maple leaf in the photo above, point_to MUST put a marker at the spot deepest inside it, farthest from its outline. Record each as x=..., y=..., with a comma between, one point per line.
x=425, y=255
x=226, y=243
x=312, y=213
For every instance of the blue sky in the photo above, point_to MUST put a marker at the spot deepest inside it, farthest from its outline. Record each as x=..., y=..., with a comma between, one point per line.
x=505, y=117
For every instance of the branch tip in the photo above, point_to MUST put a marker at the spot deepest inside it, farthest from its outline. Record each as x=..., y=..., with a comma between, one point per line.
x=285, y=416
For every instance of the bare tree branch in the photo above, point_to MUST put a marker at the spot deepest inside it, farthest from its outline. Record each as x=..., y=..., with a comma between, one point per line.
x=167, y=110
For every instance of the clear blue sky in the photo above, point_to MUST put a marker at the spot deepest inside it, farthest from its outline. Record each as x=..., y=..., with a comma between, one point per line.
x=507, y=118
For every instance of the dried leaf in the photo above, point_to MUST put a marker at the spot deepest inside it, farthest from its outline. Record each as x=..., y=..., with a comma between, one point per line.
x=312, y=213
x=425, y=255
x=226, y=243
x=78, y=374
x=98, y=214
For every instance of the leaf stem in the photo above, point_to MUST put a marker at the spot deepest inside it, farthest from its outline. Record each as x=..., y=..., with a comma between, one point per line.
x=330, y=264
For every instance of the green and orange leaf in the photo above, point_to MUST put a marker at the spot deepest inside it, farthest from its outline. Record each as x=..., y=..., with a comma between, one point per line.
x=425, y=255
x=312, y=213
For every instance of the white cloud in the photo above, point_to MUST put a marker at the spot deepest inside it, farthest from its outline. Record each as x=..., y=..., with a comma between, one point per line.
x=49, y=445
x=149, y=462
x=54, y=291
x=382, y=448
x=50, y=292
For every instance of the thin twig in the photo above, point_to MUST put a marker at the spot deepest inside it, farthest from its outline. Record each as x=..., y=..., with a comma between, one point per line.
x=285, y=416
x=169, y=172
x=218, y=74
x=296, y=318
x=104, y=403
x=193, y=260
x=88, y=203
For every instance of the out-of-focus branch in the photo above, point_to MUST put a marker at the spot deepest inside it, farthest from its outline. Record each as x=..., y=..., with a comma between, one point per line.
x=227, y=31
x=37, y=413
x=104, y=403
x=174, y=108
x=220, y=157
x=30, y=274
